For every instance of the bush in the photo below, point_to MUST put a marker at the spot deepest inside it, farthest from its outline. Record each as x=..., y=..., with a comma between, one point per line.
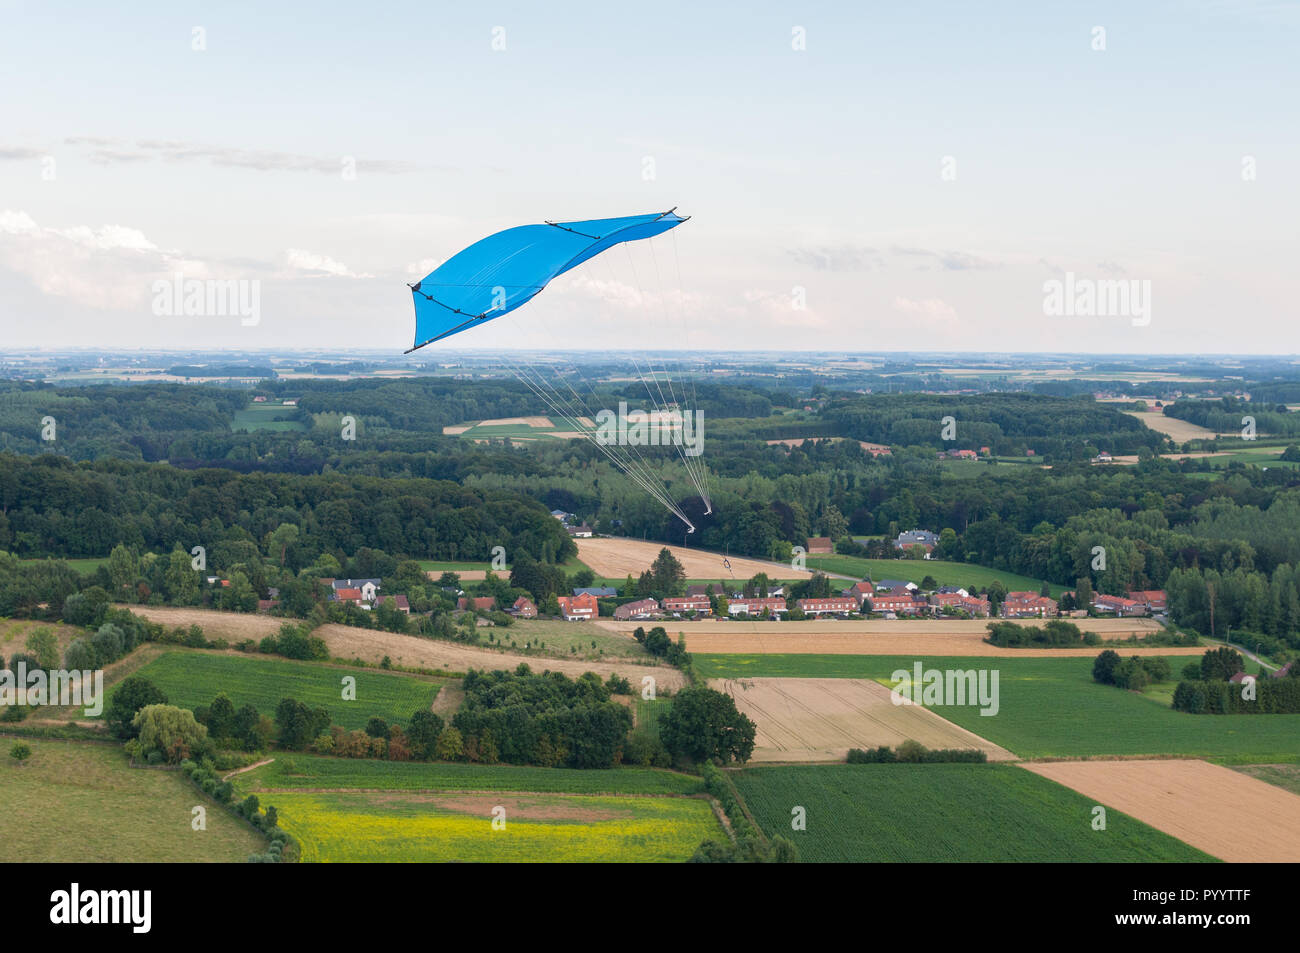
x=1103, y=669
x=20, y=752
x=915, y=753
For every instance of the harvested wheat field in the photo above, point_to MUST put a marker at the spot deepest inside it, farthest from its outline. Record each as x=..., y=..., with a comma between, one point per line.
x=231, y=626
x=1224, y=813
x=616, y=558
x=887, y=637
x=371, y=645
x=539, y=422
x=820, y=719
x=1179, y=430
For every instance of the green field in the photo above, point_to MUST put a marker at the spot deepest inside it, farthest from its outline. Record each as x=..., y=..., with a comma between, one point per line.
x=195, y=678
x=1258, y=458
x=1285, y=776
x=1051, y=707
x=434, y=565
x=945, y=572
x=263, y=417
x=539, y=828
x=944, y=812
x=648, y=713
x=310, y=771
x=79, y=802
x=83, y=565
x=569, y=639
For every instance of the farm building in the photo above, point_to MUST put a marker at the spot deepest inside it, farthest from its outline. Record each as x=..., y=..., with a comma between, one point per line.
x=1028, y=605
x=903, y=603
x=774, y=605
x=578, y=608
x=641, y=609
x=1153, y=600
x=830, y=605
x=819, y=544
x=681, y=605
x=917, y=537
x=368, y=587
x=1118, y=605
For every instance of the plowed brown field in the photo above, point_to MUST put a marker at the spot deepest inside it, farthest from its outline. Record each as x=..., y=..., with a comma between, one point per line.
x=1224, y=813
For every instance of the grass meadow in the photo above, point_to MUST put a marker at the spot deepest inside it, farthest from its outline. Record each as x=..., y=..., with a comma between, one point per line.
x=190, y=679
x=945, y=572
x=81, y=802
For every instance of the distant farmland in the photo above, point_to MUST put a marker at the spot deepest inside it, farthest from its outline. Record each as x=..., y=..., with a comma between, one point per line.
x=944, y=812
x=1053, y=708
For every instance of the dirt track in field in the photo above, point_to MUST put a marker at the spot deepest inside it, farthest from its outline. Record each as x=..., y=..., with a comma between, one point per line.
x=371, y=645
x=615, y=558
x=820, y=719
x=1223, y=812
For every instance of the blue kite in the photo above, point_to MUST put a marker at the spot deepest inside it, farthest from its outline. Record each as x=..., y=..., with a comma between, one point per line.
x=502, y=272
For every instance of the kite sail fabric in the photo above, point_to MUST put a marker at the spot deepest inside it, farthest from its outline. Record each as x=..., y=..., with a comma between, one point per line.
x=505, y=271
x=498, y=274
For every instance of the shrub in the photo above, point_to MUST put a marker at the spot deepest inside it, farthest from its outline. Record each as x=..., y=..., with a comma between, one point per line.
x=1103, y=669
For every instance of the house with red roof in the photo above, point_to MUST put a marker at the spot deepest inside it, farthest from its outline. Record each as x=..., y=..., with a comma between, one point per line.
x=1118, y=605
x=774, y=605
x=580, y=608
x=1024, y=604
x=1153, y=600
x=641, y=609
x=830, y=605
x=899, y=603
x=682, y=605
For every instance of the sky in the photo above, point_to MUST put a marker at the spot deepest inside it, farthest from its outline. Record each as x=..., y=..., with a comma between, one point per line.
x=860, y=176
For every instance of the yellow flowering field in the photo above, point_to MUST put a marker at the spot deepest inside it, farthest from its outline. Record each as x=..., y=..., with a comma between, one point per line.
x=403, y=826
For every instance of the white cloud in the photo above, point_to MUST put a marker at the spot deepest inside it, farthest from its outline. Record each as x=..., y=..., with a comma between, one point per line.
x=306, y=261
x=106, y=266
